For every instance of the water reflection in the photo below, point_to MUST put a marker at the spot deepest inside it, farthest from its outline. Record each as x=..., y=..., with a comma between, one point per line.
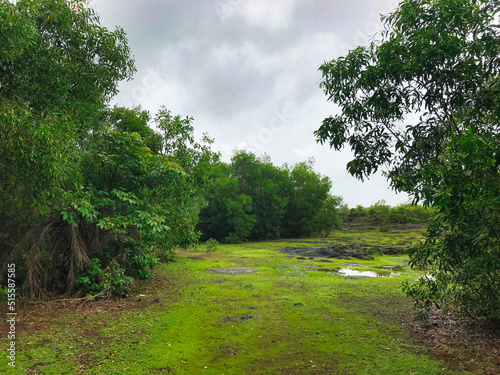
x=350, y=272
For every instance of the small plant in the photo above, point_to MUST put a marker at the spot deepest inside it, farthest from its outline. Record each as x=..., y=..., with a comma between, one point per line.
x=107, y=282
x=212, y=244
x=144, y=265
x=3, y=293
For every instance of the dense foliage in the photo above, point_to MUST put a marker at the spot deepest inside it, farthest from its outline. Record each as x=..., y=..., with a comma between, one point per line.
x=424, y=102
x=250, y=198
x=89, y=195
x=383, y=215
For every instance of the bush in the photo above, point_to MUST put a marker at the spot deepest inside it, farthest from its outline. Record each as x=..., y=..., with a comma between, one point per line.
x=144, y=264
x=383, y=215
x=212, y=244
x=105, y=283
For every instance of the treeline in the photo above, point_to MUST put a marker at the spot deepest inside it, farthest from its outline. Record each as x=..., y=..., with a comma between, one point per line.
x=383, y=215
x=252, y=199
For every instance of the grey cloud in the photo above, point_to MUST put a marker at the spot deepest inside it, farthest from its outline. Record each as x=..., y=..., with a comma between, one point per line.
x=234, y=71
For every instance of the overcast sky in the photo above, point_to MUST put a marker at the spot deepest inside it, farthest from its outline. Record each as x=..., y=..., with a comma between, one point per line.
x=247, y=71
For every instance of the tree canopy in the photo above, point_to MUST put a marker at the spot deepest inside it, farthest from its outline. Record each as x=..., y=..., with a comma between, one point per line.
x=423, y=103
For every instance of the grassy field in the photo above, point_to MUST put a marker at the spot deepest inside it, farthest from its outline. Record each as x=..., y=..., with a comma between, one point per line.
x=193, y=318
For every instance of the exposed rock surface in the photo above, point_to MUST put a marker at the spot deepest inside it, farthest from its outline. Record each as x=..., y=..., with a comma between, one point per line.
x=337, y=251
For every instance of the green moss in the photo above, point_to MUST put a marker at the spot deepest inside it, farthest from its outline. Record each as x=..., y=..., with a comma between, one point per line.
x=209, y=323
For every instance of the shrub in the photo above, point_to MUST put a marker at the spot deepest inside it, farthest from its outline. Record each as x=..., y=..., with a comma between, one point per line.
x=107, y=282
x=212, y=244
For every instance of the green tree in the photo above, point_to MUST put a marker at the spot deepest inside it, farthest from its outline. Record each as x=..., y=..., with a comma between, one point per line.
x=227, y=214
x=135, y=120
x=408, y=103
x=253, y=199
x=328, y=217
x=81, y=181
x=378, y=214
x=59, y=68
x=463, y=238
x=268, y=186
x=145, y=199
x=311, y=208
x=55, y=56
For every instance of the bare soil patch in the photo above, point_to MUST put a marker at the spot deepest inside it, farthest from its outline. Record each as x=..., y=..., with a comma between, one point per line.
x=444, y=334
x=232, y=271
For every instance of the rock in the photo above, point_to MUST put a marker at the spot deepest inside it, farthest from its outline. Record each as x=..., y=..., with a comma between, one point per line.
x=334, y=250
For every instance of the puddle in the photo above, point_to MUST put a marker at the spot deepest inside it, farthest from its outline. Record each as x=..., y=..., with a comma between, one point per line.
x=351, y=272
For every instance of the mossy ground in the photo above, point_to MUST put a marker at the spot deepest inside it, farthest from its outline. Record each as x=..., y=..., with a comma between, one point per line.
x=190, y=320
